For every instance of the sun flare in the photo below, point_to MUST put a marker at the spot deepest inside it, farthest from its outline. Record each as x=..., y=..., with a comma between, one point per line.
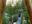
x=12, y=2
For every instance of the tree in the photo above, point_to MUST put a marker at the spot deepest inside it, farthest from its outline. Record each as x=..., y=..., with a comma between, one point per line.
x=25, y=12
x=2, y=7
x=29, y=10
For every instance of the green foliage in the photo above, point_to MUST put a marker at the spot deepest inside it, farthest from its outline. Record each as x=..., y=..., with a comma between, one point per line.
x=5, y=21
x=10, y=19
x=14, y=19
x=13, y=10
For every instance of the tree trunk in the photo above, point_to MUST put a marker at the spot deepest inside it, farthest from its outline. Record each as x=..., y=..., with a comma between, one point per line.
x=2, y=7
x=27, y=3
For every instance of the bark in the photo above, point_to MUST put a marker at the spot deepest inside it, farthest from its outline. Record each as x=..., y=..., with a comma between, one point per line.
x=27, y=3
x=2, y=7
